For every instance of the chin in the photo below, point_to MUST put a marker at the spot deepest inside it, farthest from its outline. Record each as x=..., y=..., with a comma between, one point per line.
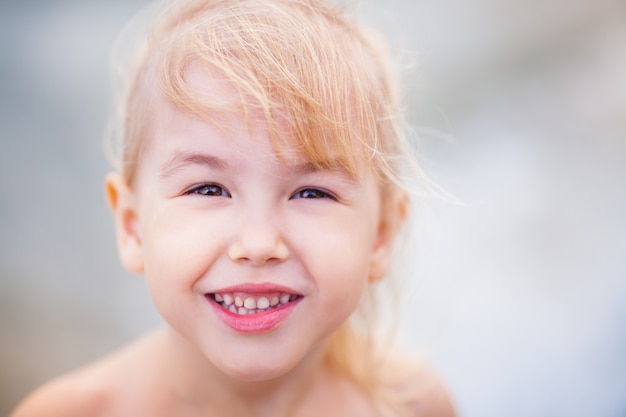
x=256, y=372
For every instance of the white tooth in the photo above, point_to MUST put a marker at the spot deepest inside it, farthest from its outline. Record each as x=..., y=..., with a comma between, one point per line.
x=250, y=303
x=284, y=299
x=242, y=311
x=228, y=299
x=232, y=309
x=218, y=298
x=275, y=301
x=238, y=301
x=262, y=303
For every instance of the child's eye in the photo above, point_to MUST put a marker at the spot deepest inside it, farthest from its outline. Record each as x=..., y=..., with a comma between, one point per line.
x=209, y=190
x=313, y=193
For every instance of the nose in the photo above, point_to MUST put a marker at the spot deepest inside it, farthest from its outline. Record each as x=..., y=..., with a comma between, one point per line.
x=258, y=243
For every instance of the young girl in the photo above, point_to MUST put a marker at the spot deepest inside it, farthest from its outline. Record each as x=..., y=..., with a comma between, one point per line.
x=260, y=192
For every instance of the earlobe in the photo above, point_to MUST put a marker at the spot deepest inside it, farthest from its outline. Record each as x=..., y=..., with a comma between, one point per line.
x=393, y=216
x=121, y=200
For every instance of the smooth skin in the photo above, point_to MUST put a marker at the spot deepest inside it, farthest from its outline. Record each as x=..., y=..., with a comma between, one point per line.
x=207, y=212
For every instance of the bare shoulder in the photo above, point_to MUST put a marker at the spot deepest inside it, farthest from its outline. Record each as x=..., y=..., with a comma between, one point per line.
x=418, y=388
x=77, y=394
x=93, y=390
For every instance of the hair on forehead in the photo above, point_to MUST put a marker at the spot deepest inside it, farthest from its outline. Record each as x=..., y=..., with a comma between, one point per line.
x=319, y=81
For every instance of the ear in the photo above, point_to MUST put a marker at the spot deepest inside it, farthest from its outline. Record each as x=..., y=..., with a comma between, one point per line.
x=393, y=215
x=122, y=203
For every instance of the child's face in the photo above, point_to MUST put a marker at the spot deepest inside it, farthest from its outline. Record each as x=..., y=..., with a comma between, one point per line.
x=212, y=219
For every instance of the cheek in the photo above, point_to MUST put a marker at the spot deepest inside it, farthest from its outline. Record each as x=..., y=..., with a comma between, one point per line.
x=339, y=261
x=179, y=247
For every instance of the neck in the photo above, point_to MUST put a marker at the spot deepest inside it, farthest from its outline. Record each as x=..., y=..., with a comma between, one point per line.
x=199, y=384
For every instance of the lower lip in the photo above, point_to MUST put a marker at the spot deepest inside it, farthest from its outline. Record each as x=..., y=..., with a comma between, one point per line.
x=254, y=323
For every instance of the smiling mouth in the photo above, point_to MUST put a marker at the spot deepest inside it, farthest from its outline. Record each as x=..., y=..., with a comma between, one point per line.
x=248, y=304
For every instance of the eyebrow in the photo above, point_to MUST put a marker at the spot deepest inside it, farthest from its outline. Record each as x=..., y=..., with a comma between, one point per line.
x=182, y=159
x=333, y=165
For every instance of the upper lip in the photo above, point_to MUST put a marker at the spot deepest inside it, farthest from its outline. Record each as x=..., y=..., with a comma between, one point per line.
x=256, y=288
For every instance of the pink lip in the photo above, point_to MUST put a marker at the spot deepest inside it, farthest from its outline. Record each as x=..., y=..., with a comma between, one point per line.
x=254, y=323
x=255, y=289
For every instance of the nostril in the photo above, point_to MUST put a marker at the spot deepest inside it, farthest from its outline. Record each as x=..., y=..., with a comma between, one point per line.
x=258, y=249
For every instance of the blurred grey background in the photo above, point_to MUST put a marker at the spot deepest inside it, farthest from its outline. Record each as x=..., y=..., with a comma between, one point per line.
x=517, y=298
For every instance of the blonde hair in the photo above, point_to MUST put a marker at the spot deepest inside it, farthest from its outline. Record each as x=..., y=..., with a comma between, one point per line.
x=299, y=63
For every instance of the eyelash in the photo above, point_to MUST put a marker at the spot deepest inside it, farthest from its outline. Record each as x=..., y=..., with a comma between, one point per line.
x=318, y=193
x=217, y=190
x=203, y=190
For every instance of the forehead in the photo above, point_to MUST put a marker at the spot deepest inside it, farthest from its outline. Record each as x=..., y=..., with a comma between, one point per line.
x=180, y=140
x=305, y=69
x=303, y=73
x=214, y=102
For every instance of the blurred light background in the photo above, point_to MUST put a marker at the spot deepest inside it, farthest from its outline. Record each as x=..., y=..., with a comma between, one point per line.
x=517, y=298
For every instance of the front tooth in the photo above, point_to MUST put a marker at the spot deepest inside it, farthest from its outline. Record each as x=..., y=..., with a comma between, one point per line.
x=284, y=299
x=242, y=311
x=250, y=303
x=262, y=303
x=232, y=308
x=238, y=301
x=228, y=299
x=218, y=298
x=275, y=301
